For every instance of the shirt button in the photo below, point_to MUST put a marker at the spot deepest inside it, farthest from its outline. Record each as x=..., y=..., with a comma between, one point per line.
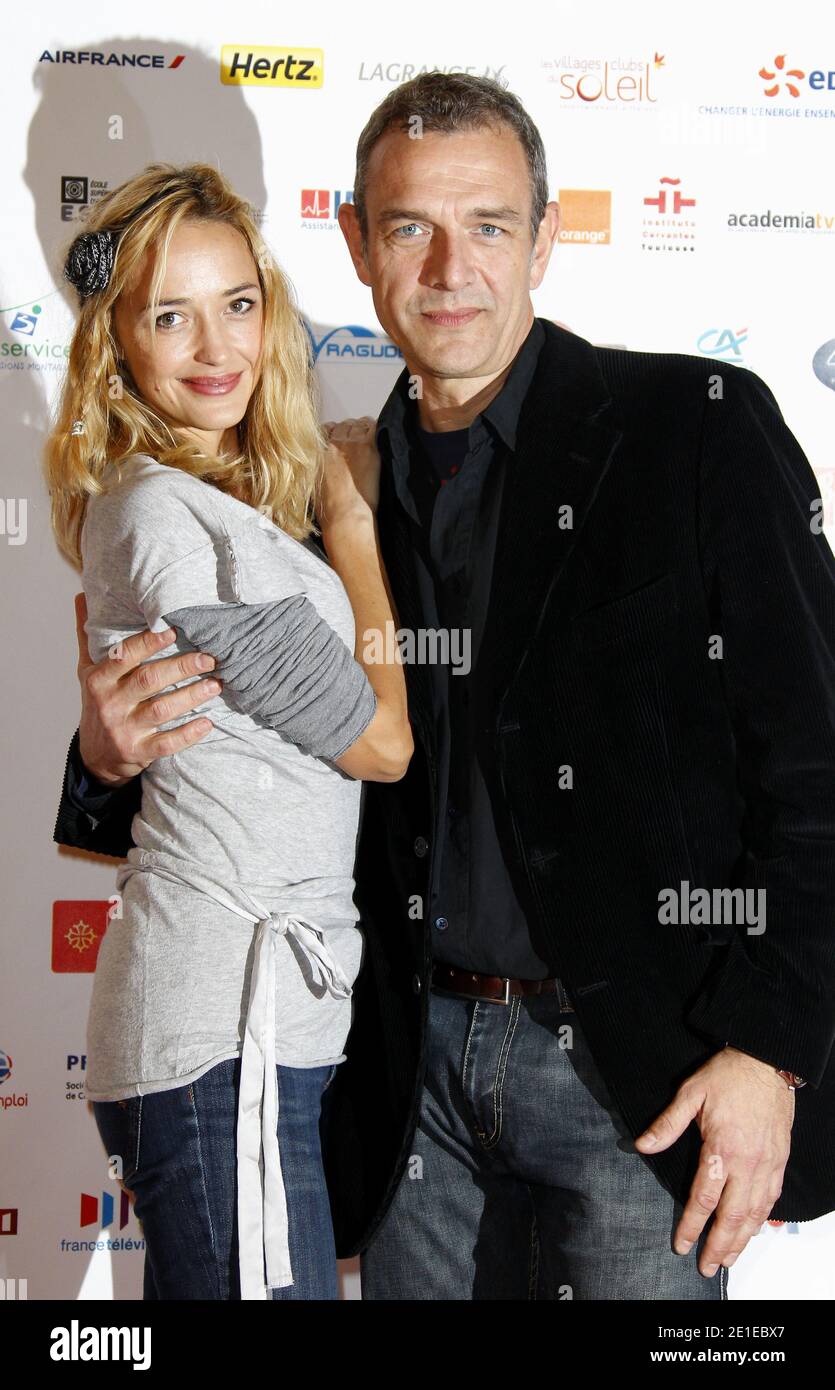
x=421, y=845
x=441, y=923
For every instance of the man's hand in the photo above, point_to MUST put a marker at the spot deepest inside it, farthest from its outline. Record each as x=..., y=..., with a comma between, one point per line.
x=119, y=710
x=350, y=482
x=745, y=1112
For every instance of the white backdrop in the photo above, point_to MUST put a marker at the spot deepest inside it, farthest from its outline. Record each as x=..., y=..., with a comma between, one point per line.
x=731, y=257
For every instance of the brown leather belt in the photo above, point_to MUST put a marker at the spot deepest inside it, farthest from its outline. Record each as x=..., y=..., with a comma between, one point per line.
x=471, y=985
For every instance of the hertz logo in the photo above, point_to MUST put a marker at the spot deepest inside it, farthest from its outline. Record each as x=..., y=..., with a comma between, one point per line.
x=271, y=67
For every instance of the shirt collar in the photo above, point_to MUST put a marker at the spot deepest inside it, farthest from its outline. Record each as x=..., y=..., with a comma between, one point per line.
x=399, y=416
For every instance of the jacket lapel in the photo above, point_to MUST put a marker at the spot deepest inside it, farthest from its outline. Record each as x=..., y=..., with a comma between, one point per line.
x=565, y=441
x=399, y=559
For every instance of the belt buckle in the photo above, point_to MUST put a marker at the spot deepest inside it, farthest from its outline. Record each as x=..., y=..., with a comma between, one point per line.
x=485, y=998
x=491, y=998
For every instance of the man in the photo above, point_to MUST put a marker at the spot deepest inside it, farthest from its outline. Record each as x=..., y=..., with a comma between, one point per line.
x=596, y=1005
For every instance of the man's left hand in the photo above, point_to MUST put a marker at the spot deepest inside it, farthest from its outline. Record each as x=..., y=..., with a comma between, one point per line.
x=745, y=1111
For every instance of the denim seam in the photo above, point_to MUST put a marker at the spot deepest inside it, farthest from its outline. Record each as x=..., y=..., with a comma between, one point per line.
x=138, y=1138
x=467, y=1048
x=498, y=1084
x=565, y=1003
x=193, y=1100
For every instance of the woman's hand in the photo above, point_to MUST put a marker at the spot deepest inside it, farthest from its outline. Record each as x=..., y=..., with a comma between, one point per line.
x=351, y=475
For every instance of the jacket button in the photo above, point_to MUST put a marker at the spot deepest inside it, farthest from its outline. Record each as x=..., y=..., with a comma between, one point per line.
x=421, y=846
x=441, y=923
x=416, y=984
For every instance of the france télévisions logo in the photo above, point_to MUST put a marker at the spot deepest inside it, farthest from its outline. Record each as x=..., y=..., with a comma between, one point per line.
x=85, y=57
x=93, y=1214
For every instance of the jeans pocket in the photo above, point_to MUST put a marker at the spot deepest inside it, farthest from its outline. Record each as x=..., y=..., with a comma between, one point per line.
x=132, y=1108
x=329, y=1078
x=119, y=1124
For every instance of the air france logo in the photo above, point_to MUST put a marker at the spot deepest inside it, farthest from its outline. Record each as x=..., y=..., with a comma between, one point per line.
x=83, y=57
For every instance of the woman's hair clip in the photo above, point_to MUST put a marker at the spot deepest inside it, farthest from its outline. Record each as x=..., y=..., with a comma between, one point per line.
x=77, y=427
x=90, y=262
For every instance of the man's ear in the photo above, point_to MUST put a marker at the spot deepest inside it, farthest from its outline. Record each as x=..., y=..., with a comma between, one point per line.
x=350, y=226
x=543, y=246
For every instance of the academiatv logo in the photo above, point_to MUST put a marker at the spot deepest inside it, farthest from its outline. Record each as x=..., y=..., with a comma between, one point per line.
x=242, y=65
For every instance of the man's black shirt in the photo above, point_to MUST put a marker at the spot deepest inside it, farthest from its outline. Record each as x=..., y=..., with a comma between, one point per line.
x=450, y=485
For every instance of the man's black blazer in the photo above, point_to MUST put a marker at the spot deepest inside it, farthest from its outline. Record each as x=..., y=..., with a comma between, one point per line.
x=661, y=623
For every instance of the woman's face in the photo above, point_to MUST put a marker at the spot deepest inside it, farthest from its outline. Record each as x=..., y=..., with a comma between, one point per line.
x=200, y=367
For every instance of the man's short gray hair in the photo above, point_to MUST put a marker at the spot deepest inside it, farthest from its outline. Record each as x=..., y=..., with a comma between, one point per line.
x=450, y=102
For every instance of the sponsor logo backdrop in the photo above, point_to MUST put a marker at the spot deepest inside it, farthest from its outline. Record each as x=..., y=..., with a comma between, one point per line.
x=691, y=155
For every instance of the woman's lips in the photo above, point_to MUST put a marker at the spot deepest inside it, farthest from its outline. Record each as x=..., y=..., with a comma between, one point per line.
x=212, y=385
x=447, y=319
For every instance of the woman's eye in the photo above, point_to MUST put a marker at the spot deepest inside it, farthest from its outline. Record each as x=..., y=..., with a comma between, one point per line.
x=247, y=303
x=168, y=315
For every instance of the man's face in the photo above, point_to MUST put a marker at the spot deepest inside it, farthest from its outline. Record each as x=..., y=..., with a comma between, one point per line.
x=450, y=260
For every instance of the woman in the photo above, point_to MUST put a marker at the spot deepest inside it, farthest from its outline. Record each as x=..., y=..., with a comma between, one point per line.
x=183, y=469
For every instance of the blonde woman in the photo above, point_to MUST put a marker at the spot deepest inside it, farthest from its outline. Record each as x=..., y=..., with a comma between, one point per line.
x=184, y=469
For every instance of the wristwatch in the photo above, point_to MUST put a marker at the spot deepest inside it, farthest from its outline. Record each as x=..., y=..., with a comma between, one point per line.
x=791, y=1078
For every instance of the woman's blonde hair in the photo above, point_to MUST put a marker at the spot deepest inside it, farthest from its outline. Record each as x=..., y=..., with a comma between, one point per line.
x=102, y=419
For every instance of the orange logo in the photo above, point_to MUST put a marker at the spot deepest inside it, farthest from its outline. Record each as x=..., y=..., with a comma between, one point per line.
x=585, y=216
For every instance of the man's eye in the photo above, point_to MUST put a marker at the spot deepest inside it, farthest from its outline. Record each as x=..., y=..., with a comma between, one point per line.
x=492, y=227
x=407, y=227
x=247, y=303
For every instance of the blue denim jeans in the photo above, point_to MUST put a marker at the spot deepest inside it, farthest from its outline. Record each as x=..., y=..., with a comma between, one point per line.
x=524, y=1182
x=179, y=1159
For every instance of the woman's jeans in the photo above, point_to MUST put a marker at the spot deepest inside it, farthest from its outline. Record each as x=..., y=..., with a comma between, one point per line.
x=179, y=1159
x=524, y=1182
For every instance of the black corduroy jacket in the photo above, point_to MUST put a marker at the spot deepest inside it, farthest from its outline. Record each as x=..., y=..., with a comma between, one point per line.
x=662, y=622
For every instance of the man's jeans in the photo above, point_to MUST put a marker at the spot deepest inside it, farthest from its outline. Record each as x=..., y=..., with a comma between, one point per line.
x=524, y=1182
x=178, y=1151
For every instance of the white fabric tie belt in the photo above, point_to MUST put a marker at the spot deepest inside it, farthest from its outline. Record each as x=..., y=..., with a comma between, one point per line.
x=263, y=1239
x=262, y=1212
